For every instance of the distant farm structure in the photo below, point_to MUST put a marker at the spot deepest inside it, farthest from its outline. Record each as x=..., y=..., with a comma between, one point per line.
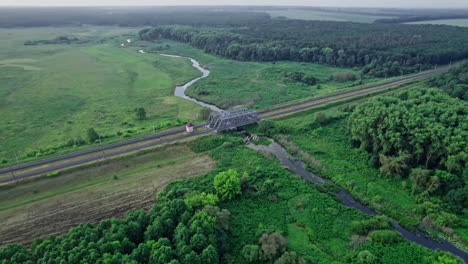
x=232, y=118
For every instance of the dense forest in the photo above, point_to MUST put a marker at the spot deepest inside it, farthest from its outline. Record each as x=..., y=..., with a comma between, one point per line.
x=416, y=18
x=420, y=135
x=381, y=50
x=454, y=82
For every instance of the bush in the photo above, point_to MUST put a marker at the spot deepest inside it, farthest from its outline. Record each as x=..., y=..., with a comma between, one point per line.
x=373, y=162
x=206, y=143
x=321, y=118
x=200, y=200
x=384, y=236
x=53, y=174
x=365, y=226
x=366, y=257
x=92, y=135
x=344, y=76
x=3, y=161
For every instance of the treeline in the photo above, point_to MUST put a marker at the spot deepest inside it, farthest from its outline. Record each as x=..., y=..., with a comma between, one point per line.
x=382, y=50
x=57, y=40
x=406, y=19
x=453, y=82
x=169, y=233
x=420, y=135
x=128, y=16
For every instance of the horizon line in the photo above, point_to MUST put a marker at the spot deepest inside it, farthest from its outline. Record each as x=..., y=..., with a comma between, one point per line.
x=231, y=5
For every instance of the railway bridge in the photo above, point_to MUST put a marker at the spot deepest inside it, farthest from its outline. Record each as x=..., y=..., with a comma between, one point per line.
x=232, y=118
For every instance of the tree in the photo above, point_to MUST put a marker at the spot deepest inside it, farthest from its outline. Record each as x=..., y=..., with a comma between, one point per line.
x=141, y=113
x=200, y=200
x=227, y=184
x=366, y=257
x=458, y=199
x=251, y=253
x=92, y=135
x=209, y=255
x=222, y=216
x=290, y=258
x=272, y=245
x=394, y=166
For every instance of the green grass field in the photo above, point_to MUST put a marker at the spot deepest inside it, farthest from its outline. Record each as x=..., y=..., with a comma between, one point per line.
x=450, y=22
x=52, y=93
x=324, y=16
x=255, y=84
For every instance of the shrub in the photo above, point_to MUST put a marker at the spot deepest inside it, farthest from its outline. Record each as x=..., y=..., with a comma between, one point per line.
x=344, y=76
x=200, y=200
x=365, y=257
x=365, y=226
x=321, y=118
x=53, y=174
x=206, y=143
x=384, y=236
x=3, y=161
x=92, y=135
x=141, y=113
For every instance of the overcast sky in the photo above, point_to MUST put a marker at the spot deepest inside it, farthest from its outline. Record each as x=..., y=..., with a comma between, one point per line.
x=330, y=3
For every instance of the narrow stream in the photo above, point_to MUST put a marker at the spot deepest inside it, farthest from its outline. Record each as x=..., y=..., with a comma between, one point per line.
x=298, y=167
x=180, y=90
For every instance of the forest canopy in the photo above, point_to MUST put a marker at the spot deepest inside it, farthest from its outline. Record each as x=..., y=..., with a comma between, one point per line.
x=382, y=50
x=453, y=82
x=427, y=124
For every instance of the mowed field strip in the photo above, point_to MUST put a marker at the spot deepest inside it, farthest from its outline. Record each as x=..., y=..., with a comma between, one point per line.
x=52, y=205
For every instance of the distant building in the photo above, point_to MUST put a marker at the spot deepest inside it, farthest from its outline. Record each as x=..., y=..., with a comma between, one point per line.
x=189, y=127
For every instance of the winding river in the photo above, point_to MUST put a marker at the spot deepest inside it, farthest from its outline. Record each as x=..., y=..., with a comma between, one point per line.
x=180, y=90
x=298, y=167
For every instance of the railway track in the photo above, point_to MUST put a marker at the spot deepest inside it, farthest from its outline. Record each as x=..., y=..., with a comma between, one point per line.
x=267, y=113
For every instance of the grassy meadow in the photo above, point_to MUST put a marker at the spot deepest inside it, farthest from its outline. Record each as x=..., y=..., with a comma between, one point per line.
x=450, y=22
x=50, y=94
x=257, y=85
x=324, y=15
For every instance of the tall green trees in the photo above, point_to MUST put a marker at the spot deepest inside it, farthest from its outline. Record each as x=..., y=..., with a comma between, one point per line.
x=382, y=50
x=425, y=123
x=227, y=184
x=420, y=133
x=169, y=233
